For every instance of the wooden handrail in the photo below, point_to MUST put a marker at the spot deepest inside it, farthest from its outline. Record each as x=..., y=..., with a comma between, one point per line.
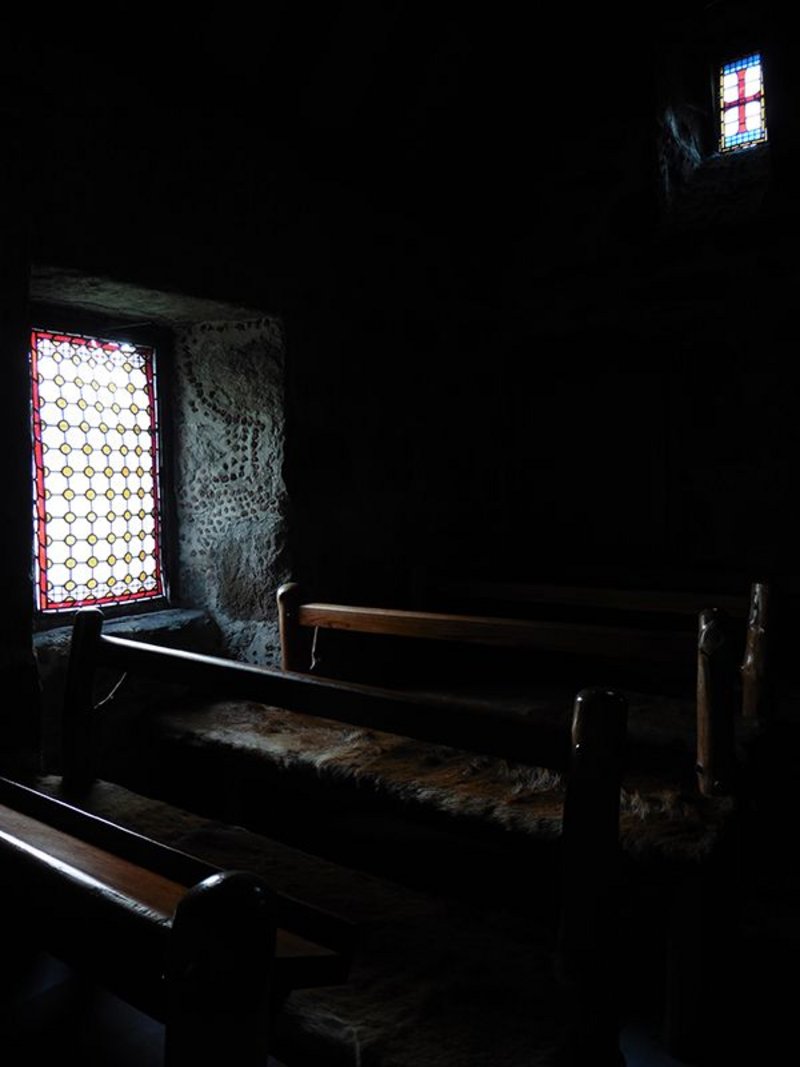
x=65, y=816
x=619, y=642
x=96, y=868
x=206, y=958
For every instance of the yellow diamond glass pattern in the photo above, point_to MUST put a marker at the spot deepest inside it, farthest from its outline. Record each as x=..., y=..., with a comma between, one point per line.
x=94, y=405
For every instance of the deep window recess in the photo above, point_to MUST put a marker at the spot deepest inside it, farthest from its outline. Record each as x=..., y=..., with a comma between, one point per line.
x=96, y=466
x=742, y=107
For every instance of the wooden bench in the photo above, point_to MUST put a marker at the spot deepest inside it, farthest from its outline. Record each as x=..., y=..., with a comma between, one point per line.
x=647, y=608
x=194, y=946
x=706, y=649
x=588, y=837
x=670, y=837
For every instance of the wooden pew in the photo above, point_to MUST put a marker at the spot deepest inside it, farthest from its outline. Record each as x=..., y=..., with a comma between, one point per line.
x=709, y=649
x=650, y=608
x=194, y=946
x=697, y=918
x=592, y=756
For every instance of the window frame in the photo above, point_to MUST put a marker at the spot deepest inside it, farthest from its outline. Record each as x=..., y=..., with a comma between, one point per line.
x=118, y=328
x=740, y=56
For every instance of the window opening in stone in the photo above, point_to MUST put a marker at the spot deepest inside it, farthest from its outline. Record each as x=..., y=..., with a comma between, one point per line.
x=97, y=501
x=742, y=109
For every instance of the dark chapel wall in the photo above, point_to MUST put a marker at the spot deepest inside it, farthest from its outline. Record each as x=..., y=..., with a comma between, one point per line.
x=517, y=340
x=579, y=363
x=17, y=672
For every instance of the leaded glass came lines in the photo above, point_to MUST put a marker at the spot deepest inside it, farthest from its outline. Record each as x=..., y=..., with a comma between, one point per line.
x=742, y=109
x=96, y=510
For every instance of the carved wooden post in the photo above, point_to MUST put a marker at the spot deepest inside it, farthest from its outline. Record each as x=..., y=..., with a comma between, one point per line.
x=755, y=689
x=218, y=973
x=77, y=732
x=699, y=922
x=586, y=947
x=294, y=655
x=716, y=677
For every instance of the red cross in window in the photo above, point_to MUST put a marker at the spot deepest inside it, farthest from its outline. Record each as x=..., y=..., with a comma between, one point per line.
x=742, y=99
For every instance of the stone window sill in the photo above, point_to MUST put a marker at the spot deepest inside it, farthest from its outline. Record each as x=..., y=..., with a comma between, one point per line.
x=178, y=627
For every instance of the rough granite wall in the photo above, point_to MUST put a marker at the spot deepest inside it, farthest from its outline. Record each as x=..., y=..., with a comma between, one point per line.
x=230, y=494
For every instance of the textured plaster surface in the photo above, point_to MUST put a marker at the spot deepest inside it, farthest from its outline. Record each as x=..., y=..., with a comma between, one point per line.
x=230, y=495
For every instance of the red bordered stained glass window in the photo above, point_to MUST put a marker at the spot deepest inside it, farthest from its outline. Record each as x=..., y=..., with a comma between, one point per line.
x=97, y=517
x=743, y=120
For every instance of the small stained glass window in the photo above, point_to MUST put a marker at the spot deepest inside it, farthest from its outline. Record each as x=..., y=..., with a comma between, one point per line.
x=742, y=111
x=97, y=537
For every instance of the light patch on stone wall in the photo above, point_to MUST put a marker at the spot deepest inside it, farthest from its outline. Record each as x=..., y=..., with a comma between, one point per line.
x=231, y=498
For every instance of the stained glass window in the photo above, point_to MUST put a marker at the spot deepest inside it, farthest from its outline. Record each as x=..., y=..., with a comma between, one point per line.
x=96, y=472
x=742, y=111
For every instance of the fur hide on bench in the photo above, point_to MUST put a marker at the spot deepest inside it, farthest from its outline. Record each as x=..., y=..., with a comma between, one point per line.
x=255, y=749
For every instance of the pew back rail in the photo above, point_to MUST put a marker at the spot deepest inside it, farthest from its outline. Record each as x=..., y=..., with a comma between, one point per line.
x=192, y=945
x=662, y=609
x=710, y=649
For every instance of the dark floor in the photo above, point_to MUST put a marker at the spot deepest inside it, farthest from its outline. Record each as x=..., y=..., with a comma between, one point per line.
x=54, y=1012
